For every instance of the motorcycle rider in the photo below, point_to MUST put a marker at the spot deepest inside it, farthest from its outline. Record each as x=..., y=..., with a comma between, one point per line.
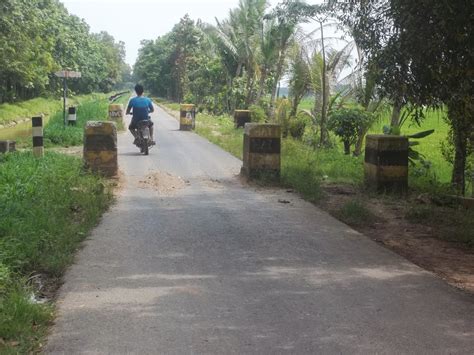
x=142, y=106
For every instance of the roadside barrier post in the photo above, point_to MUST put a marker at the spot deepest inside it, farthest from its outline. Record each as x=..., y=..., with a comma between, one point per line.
x=187, y=117
x=262, y=146
x=386, y=163
x=100, y=147
x=37, y=124
x=116, y=113
x=241, y=117
x=72, y=116
x=7, y=146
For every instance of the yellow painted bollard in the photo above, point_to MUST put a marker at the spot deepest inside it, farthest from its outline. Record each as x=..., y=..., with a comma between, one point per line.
x=116, y=113
x=187, y=117
x=37, y=133
x=386, y=163
x=241, y=117
x=262, y=146
x=100, y=147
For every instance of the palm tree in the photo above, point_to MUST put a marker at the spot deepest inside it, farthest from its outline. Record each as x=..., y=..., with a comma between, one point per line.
x=325, y=64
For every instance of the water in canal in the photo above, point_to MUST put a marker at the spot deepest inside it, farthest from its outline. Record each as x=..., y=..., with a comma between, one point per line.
x=20, y=131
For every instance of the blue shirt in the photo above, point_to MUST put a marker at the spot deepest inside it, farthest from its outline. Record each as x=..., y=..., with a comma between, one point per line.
x=141, y=106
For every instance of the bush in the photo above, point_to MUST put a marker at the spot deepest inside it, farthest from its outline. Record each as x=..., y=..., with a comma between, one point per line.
x=258, y=114
x=297, y=125
x=347, y=123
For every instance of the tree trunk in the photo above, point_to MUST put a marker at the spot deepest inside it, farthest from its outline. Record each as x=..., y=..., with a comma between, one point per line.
x=461, y=130
x=360, y=141
x=347, y=147
x=261, y=89
x=279, y=70
x=396, y=111
x=325, y=85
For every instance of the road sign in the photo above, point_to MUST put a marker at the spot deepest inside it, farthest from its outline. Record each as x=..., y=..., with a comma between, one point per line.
x=65, y=74
x=68, y=74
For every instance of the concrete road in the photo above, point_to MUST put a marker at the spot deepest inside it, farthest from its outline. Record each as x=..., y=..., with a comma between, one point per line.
x=216, y=267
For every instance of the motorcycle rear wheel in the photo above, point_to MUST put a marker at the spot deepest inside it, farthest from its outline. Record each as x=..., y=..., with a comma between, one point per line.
x=145, y=147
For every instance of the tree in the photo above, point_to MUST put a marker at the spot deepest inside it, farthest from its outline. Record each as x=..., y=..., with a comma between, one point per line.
x=423, y=53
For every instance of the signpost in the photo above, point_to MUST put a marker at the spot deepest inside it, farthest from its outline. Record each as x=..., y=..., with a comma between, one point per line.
x=65, y=74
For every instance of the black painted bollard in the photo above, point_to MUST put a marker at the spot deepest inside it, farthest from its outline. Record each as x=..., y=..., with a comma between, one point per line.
x=72, y=116
x=262, y=146
x=100, y=147
x=241, y=117
x=386, y=163
x=7, y=146
x=38, y=149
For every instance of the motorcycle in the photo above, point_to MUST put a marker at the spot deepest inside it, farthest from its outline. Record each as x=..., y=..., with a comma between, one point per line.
x=143, y=136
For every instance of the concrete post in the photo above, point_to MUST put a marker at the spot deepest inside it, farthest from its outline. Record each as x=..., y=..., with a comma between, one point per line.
x=262, y=146
x=38, y=149
x=241, y=117
x=187, y=117
x=100, y=147
x=7, y=146
x=116, y=113
x=386, y=163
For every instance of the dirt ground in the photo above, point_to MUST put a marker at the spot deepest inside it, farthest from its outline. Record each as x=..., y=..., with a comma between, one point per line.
x=162, y=182
x=421, y=244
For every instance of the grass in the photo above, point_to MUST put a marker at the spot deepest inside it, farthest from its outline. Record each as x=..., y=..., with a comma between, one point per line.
x=220, y=131
x=27, y=109
x=429, y=146
x=451, y=222
x=94, y=107
x=355, y=213
x=47, y=207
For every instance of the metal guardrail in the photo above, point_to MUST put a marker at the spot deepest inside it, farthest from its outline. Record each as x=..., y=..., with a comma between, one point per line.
x=115, y=97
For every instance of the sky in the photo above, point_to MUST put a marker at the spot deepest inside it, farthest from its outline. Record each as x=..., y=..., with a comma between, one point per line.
x=132, y=21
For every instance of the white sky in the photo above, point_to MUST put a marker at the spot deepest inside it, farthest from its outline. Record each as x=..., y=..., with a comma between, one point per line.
x=131, y=21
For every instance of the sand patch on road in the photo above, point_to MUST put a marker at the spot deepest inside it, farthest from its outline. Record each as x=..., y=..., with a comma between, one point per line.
x=162, y=182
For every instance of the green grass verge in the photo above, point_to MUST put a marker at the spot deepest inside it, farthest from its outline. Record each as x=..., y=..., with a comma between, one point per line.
x=47, y=207
x=429, y=146
x=355, y=213
x=451, y=222
x=91, y=108
x=27, y=109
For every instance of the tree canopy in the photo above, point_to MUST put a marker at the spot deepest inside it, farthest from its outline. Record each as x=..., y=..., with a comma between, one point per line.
x=39, y=37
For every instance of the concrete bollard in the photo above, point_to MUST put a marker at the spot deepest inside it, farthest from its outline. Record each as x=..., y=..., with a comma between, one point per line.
x=116, y=113
x=241, y=117
x=386, y=163
x=72, y=116
x=100, y=147
x=187, y=117
x=7, y=146
x=37, y=124
x=262, y=145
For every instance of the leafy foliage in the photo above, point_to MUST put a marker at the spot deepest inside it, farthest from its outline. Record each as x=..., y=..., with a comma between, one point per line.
x=347, y=123
x=39, y=37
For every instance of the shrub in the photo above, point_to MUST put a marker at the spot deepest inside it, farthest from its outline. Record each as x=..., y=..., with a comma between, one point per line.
x=347, y=123
x=258, y=114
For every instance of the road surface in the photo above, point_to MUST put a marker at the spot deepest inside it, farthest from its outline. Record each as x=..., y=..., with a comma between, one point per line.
x=208, y=265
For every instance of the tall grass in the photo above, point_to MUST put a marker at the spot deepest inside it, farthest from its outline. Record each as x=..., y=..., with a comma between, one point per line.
x=27, y=109
x=47, y=207
x=92, y=108
x=220, y=131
